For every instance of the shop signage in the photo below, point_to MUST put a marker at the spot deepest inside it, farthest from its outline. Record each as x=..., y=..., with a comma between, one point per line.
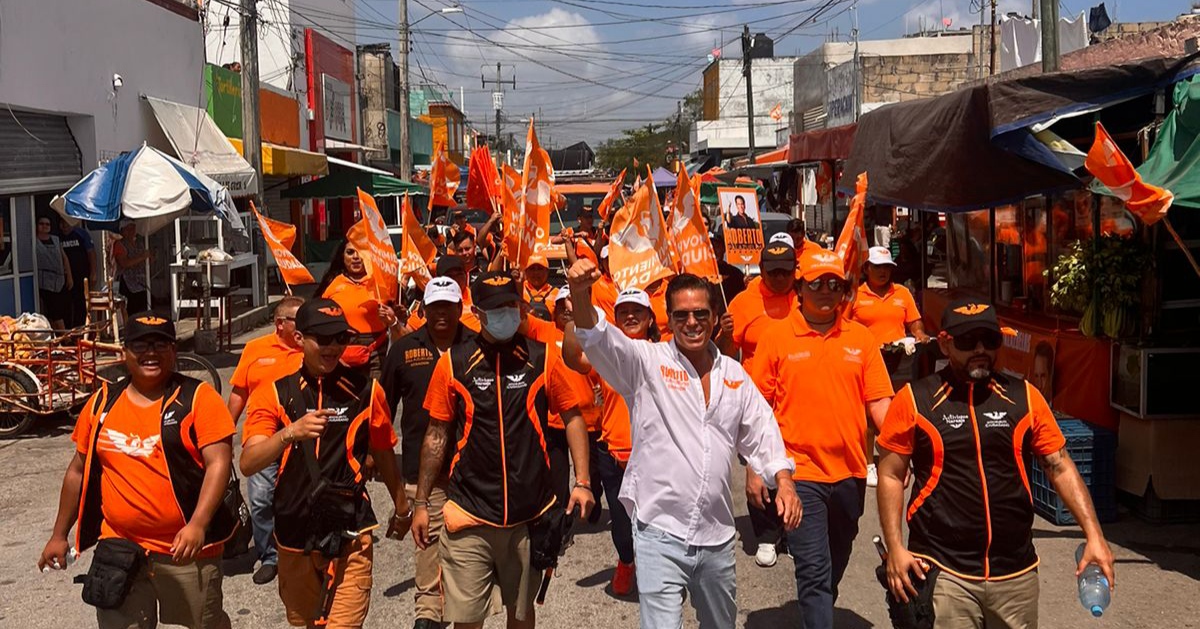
x=840, y=95
x=338, y=109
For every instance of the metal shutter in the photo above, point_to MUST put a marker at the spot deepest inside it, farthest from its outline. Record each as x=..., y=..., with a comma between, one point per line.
x=37, y=153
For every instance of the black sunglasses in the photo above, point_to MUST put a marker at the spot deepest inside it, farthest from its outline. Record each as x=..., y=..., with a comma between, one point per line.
x=324, y=340
x=969, y=341
x=833, y=285
x=141, y=347
x=682, y=316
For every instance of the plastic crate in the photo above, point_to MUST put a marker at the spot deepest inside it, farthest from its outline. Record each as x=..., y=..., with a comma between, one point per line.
x=1094, y=451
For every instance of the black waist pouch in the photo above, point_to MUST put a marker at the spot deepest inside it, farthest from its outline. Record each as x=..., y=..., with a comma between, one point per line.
x=917, y=613
x=333, y=516
x=549, y=536
x=115, y=564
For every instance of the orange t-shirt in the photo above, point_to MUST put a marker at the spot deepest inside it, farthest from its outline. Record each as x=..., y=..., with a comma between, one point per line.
x=658, y=304
x=614, y=421
x=265, y=359
x=136, y=497
x=604, y=295
x=885, y=316
x=589, y=405
x=818, y=386
x=358, y=302
x=542, y=331
x=754, y=310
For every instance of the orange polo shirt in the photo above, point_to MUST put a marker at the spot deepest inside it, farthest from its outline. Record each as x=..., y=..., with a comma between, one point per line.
x=357, y=299
x=754, y=310
x=818, y=386
x=886, y=316
x=265, y=359
x=604, y=295
x=614, y=420
x=589, y=406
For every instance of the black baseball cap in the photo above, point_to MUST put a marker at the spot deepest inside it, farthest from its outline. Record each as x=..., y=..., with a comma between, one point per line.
x=448, y=263
x=145, y=325
x=965, y=315
x=321, y=316
x=457, y=214
x=494, y=289
x=776, y=256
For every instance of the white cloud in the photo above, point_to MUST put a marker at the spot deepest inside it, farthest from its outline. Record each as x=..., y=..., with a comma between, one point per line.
x=525, y=44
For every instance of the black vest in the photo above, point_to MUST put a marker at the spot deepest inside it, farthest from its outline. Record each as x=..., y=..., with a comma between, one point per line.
x=501, y=471
x=186, y=476
x=971, y=510
x=341, y=450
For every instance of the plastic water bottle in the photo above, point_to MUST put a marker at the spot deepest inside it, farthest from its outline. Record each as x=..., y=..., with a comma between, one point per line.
x=1094, y=594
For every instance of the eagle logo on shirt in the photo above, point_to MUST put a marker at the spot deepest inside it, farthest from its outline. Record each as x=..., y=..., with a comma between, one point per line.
x=132, y=445
x=733, y=384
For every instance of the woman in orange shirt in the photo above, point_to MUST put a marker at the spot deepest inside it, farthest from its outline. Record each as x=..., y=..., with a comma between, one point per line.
x=890, y=313
x=347, y=283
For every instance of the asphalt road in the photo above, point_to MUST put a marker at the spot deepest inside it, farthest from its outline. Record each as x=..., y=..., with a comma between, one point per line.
x=1158, y=568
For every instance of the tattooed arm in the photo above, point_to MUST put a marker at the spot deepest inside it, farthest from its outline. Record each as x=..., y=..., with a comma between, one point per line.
x=433, y=455
x=1074, y=493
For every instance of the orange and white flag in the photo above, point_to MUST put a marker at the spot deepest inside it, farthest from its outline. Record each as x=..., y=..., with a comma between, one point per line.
x=693, y=249
x=511, y=196
x=852, y=242
x=639, y=247
x=1106, y=161
x=537, y=189
x=370, y=238
x=443, y=178
x=614, y=193
x=417, y=251
x=280, y=237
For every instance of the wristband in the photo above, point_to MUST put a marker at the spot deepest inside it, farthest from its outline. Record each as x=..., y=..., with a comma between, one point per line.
x=586, y=486
x=424, y=504
x=397, y=516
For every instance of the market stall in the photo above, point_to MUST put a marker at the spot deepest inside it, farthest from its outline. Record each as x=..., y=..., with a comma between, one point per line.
x=1090, y=292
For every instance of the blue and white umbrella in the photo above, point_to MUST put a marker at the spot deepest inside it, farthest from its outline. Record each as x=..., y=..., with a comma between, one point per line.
x=147, y=186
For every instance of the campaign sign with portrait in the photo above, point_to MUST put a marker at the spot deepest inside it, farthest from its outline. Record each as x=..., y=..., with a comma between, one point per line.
x=743, y=226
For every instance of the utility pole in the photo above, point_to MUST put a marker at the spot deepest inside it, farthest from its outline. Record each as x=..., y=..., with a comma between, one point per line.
x=992, y=38
x=857, y=66
x=1049, y=36
x=406, y=165
x=747, y=44
x=251, y=131
x=498, y=100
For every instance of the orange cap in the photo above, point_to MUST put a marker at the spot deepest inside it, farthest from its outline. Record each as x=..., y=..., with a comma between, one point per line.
x=537, y=260
x=815, y=263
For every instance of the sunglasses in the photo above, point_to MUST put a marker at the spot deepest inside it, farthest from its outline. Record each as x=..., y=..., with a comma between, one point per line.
x=683, y=316
x=141, y=347
x=969, y=341
x=325, y=340
x=833, y=285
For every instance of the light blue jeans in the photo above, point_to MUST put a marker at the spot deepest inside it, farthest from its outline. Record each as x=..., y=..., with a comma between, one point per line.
x=260, y=490
x=666, y=566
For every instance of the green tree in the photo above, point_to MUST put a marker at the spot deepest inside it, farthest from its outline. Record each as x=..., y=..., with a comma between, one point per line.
x=648, y=143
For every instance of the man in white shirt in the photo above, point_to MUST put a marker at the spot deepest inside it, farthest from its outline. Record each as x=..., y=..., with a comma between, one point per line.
x=691, y=410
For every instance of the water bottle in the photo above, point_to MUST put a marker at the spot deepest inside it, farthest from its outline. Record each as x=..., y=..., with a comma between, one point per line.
x=1094, y=594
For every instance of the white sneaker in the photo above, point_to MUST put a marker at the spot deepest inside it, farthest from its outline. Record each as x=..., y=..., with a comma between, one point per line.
x=766, y=555
x=872, y=475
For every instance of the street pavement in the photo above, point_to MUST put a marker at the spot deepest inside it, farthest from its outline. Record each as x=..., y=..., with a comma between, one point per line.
x=1158, y=567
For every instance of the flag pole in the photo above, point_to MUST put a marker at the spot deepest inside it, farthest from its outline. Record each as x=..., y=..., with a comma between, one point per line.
x=1182, y=247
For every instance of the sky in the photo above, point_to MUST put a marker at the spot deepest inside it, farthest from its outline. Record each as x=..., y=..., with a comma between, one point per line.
x=595, y=67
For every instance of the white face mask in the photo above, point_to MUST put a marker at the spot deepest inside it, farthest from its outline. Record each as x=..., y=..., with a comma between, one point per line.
x=502, y=323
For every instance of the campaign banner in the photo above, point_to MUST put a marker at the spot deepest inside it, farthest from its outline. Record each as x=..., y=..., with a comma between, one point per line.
x=693, y=248
x=742, y=225
x=280, y=237
x=370, y=237
x=639, y=248
x=417, y=251
x=443, y=179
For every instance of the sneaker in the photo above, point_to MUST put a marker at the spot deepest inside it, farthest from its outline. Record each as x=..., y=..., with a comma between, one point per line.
x=766, y=555
x=872, y=475
x=622, y=581
x=265, y=574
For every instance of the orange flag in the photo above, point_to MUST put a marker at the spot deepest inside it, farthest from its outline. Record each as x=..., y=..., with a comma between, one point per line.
x=639, y=248
x=852, y=242
x=693, y=249
x=1106, y=161
x=370, y=237
x=614, y=193
x=511, y=196
x=416, y=249
x=483, y=181
x=537, y=189
x=443, y=178
x=279, y=237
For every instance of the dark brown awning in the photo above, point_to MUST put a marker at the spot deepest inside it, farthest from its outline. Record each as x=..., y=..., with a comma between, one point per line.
x=821, y=144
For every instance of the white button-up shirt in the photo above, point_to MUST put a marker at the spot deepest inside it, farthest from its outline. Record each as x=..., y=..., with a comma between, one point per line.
x=678, y=478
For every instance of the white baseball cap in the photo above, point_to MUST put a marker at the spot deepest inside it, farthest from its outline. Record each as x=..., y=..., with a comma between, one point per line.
x=604, y=251
x=783, y=237
x=442, y=289
x=563, y=292
x=633, y=296
x=880, y=255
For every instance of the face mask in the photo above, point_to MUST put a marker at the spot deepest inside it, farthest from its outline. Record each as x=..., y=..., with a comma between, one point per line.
x=502, y=323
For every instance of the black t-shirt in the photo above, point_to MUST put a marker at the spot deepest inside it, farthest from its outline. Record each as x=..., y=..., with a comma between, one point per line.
x=76, y=244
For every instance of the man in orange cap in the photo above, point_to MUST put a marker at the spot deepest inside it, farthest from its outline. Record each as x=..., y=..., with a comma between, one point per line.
x=818, y=373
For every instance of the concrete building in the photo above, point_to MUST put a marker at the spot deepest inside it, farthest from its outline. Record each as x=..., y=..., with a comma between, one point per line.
x=65, y=112
x=830, y=93
x=723, y=131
